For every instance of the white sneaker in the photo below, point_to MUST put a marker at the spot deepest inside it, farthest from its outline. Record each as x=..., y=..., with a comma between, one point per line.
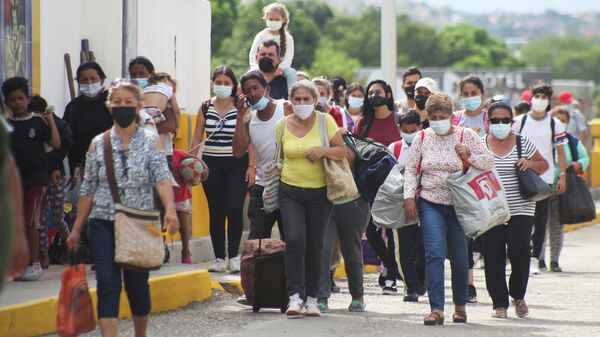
x=312, y=308
x=534, y=267
x=295, y=306
x=32, y=273
x=234, y=265
x=218, y=266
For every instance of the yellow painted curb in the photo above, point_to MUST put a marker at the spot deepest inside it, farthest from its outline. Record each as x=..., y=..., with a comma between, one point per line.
x=572, y=227
x=166, y=292
x=340, y=271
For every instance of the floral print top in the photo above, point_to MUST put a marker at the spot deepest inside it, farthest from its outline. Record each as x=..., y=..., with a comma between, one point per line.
x=137, y=169
x=439, y=160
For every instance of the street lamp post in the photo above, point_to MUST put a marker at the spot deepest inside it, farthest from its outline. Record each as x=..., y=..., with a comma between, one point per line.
x=388, y=42
x=129, y=33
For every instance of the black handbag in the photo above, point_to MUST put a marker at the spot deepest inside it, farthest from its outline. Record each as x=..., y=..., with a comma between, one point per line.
x=532, y=187
x=576, y=205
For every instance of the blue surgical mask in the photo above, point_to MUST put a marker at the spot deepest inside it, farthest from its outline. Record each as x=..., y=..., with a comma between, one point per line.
x=472, y=103
x=142, y=82
x=500, y=131
x=356, y=102
x=440, y=127
x=222, y=91
x=408, y=137
x=260, y=105
x=323, y=100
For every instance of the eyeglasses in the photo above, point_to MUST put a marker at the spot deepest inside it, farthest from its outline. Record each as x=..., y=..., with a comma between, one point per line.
x=501, y=120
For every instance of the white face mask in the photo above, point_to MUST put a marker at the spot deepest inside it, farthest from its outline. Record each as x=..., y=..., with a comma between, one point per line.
x=440, y=127
x=274, y=25
x=539, y=105
x=90, y=90
x=303, y=111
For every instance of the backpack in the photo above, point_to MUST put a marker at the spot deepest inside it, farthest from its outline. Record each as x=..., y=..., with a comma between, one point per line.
x=372, y=165
x=551, y=133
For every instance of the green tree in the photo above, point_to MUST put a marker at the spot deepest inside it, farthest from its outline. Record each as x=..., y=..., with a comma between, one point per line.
x=224, y=14
x=331, y=62
x=467, y=46
x=419, y=44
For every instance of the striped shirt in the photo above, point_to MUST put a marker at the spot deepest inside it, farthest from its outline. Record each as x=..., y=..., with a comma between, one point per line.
x=507, y=169
x=219, y=132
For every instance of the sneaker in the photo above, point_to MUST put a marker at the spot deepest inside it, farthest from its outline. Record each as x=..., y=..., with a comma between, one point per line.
x=521, y=309
x=295, y=306
x=186, y=258
x=382, y=277
x=390, y=288
x=555, y=268
x=323, y=306
x=218, y=266
x=32, y=273
x=411, y=297
x=234, y=265
x=472, y=292
x=542, y=265
x=499, y=313
x=357, y=305
x=534, y=267
x=312, y=308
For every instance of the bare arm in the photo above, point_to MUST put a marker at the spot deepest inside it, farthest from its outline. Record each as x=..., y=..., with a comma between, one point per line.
x=165, y=192
x=562, y=164
x=536, y=163
x=198, y=131
x=54, y=135
x=241, y=135
x=337, y=150
x=176, y=111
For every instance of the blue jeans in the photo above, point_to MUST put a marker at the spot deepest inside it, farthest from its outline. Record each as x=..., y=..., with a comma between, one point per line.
x=443, y=234
x=108, y=274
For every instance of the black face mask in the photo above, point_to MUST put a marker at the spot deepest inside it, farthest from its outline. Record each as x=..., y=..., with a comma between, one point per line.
x=377, y=101
x=421, y=100
x=123, y=115
x=410, y=92
x=266, y=64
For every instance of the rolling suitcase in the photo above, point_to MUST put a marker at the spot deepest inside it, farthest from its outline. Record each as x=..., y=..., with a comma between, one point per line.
x=263, y=274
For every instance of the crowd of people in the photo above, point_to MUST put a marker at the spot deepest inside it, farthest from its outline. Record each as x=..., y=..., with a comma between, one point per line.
x=236, y=137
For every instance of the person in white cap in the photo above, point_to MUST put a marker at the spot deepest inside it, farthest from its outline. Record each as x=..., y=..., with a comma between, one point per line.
x=425, y=87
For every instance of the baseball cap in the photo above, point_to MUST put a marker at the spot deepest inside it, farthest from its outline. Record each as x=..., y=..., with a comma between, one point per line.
x=565, y=97
x=429, y=83
x=526, y=96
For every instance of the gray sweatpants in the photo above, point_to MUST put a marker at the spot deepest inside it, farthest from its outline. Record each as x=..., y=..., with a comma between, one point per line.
x=555, y=233
x=348, y=222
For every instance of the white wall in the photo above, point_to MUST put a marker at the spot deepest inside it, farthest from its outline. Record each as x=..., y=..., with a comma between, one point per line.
x=65, y=22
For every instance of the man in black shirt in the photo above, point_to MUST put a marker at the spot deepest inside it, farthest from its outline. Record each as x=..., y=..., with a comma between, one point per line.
x=268, y=58
x=30, y=135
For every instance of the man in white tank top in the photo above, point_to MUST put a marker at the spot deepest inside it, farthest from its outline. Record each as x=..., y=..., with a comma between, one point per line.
x=257, y=119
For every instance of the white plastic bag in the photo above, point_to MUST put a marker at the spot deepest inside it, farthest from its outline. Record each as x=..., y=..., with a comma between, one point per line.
x=388, y=208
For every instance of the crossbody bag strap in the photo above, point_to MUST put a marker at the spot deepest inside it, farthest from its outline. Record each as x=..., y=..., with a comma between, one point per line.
x=465, y=163
x=279, y=140
x=518, y=146
x=323, y=129
x=110, y=168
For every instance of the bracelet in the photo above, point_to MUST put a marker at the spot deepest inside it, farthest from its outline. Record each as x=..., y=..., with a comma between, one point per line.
x=253, y=166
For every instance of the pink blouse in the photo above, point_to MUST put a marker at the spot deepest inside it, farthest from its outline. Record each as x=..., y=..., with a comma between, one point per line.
x=439, y=160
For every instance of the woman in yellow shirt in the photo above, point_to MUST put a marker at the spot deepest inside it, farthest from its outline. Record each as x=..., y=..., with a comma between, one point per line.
x=303, y=195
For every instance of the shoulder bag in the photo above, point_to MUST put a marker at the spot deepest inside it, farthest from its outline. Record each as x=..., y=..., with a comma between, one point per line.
x=270, y=194
x=531, y=186
x=138, y=238
x=338, y=175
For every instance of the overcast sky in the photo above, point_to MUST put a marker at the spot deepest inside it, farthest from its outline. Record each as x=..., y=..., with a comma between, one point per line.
x=519, y=6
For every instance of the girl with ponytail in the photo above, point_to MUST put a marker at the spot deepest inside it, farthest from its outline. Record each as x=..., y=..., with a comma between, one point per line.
x=277, y=19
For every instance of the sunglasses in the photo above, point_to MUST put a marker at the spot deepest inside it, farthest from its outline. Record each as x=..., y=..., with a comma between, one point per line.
x=501, y=120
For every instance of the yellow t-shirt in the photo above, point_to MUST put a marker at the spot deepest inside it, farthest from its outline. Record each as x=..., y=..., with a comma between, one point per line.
x=297, y=170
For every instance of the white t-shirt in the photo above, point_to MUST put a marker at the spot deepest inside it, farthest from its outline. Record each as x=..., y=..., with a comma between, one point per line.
x=404, y=148
x=263, y=36
x=262, y=137
x=539, y=133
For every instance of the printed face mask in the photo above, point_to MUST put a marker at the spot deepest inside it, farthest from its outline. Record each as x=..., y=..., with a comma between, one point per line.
x=410, y=92
x=420, y=100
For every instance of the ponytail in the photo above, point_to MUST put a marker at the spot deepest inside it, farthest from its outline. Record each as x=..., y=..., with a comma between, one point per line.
x=283, y=42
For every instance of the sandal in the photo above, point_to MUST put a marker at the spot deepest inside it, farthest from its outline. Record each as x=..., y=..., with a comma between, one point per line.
x=521, y=309
x=357, y=305
x=499, y=313
x=460, y=315
x=436, y=317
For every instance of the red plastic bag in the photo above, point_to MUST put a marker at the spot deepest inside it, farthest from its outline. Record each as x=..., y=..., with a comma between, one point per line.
x=75, y=314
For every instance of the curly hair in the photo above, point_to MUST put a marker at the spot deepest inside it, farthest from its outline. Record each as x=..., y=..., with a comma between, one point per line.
x=439, y=102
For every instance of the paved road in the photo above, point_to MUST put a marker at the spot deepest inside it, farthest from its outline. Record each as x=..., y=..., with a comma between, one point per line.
x=561, y=304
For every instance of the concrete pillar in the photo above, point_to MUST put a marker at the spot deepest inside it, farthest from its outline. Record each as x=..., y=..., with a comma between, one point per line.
x=388, y=42
x=595, y=153
x=129, y=33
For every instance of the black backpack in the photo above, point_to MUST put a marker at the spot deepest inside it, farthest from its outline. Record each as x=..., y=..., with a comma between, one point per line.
x=372, y=165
